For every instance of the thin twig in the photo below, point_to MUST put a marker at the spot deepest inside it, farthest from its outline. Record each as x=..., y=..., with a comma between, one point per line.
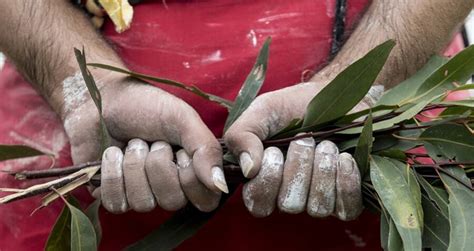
x=52, y=172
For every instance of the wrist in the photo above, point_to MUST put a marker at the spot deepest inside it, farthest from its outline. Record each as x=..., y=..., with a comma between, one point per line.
x=71, y=92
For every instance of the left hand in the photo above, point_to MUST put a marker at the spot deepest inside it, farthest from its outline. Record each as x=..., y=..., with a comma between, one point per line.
x=317, y=179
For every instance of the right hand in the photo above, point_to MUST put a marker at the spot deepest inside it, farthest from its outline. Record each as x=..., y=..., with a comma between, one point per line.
x=144, y=176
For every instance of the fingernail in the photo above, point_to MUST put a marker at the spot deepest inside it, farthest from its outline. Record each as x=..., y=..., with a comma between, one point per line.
x=157, y=146
x=328, y=147
x=346, y=164
x=219, y=179
x=246, y=163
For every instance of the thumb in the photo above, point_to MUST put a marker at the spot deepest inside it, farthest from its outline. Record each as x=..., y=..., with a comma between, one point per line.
x=244, y=137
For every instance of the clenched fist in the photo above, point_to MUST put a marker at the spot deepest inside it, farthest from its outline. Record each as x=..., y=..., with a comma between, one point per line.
x=314, y=177
x=148, y=121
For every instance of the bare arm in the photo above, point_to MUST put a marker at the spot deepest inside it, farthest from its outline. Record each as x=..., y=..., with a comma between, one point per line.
x=39, y=37
x=420, y=28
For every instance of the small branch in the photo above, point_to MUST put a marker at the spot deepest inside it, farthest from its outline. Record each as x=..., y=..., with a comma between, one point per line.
x=52, y=172
x=33, y=191
x=46, y=187
x=467, y=163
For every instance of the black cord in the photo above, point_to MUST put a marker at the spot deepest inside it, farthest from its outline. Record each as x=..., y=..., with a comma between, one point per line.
x=338, y=28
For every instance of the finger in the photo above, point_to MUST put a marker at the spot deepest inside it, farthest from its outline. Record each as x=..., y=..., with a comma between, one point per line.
x=200, y=196
x=322, y=195
x=244, y=137
x=95, y=192
x=163, y=117
x=268, y=114
x=348, y=189
x=249, y=148
x=112, y=186
x=162, y=174
x=261, y=192
x=139, y=195
x=207, y=162
x=296, y=176
x=199, y=142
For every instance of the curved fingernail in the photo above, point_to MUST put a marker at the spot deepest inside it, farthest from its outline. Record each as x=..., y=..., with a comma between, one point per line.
x=158, y=146
x=346, y=163
x=136, y=145
x=246, y=163
x=328, y=147
x=219, y=179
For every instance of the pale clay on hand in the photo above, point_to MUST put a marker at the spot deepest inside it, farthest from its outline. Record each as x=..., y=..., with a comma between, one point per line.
x=313, y=178
x=144, y=177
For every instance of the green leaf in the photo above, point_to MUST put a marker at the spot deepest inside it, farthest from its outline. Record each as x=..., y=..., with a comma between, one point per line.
x=251, y=86
x=193, y=89
x=106, y=140
x=293, y=125
x=436, y=228
x=451, y=141
x=394, y=154
x=397, y=195
x=83, y=236
x=364, y=147
x=92, y=212
x=407, y=88
x=413, y=185
x=464, y=103
x=389, y=142
x=455, y=111
x=439, y=197
x=461, y=213
x=458, y=69
x=384, y=229
x=353, y=116
x=17, y=151
x=60, y=236
x=394, y=239
x=464, y=87
x=406, y=115
x=229, y=157
x=348, y=88
x=347, y=144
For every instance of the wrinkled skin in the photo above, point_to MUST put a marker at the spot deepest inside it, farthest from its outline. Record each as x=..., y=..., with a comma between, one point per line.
x=314, y=177
x=144, y=176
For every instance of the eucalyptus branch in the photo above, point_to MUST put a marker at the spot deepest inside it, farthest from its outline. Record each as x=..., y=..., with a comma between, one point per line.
x=232, y=172
x=52, y=172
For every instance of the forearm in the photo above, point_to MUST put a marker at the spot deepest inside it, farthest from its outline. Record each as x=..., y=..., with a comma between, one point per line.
x=39, y=37
x=420, y=28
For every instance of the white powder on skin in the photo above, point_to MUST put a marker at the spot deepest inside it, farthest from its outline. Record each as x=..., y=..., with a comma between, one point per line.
x=296, y=195
x=268, y=179
x=325, y=205
x=137, y=145
x=74, y=91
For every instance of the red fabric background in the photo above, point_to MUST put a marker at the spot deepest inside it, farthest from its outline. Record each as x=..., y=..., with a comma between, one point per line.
x=212, y=44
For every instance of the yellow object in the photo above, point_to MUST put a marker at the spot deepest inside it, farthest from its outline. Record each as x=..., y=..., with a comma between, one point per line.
x=120, y=12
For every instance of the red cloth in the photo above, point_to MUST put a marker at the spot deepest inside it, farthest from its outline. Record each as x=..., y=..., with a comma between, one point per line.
x=211, y=44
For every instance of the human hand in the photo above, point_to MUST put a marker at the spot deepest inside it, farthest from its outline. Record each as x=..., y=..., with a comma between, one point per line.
x=317, y=179
x=144, y=177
